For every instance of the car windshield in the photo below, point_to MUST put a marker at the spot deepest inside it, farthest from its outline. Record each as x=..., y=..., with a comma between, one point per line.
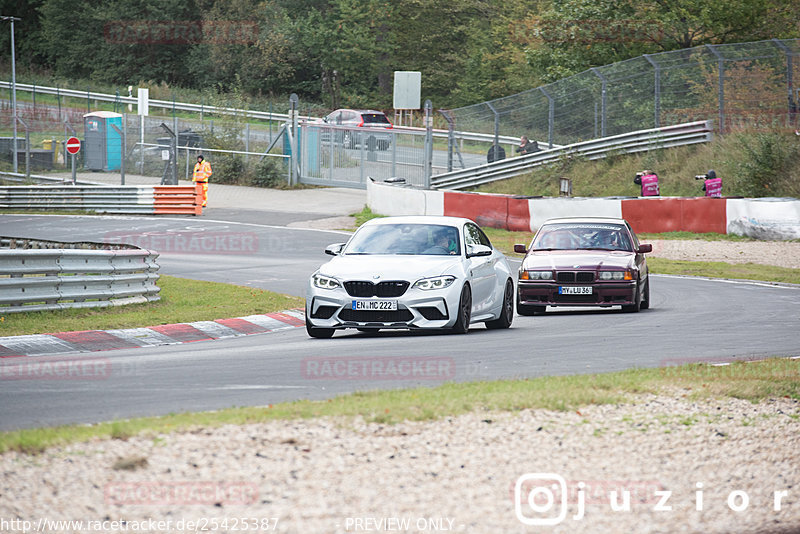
x=375, y=118
x=577, y=236
x=412, y=239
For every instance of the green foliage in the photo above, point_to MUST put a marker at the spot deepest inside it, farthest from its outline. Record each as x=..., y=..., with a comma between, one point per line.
x=343, y=52
x=765, y=164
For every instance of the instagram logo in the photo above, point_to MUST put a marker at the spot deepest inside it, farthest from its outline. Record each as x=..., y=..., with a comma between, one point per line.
x=539, y=492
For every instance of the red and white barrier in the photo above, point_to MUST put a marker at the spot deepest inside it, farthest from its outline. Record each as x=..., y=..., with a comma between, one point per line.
x=760, y=218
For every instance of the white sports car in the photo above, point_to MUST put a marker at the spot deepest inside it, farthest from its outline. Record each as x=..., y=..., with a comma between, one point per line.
x=411, y=273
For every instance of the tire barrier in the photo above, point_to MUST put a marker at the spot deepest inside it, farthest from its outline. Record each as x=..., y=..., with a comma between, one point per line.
x=761, y=218
x=147, y=200
x=39, y=275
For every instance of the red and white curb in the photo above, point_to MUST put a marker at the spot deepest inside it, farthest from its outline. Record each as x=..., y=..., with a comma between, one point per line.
x=167, y=334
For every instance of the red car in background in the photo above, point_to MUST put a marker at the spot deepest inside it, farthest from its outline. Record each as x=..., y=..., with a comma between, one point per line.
x=587, y=261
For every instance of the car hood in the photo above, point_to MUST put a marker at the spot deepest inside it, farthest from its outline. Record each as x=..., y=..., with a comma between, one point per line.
x=562, y=260
x=390, y=267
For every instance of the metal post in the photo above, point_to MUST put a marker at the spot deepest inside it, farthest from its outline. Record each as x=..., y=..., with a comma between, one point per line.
x=656, y=91
x=496, y=124
x=789, y=76
x=602, y=100
x=141, y=144
x=58, y=98
x=121, y=133
x=429, y=143
x=74, y=176
x=34, y=98
x=88, y=100
x=27, y=153
x=247, y=142
x=551, y=116
x=173, y=163
x=71, y=129
x=13, y=90
x=721, y=88
x=293, y=106
x=451, y=134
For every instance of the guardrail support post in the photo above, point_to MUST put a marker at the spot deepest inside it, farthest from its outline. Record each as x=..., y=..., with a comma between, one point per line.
x=293, y=162
x=656, y=90
x=551, y=116
x=721, y=88
x=428, y=143
x=603, y=88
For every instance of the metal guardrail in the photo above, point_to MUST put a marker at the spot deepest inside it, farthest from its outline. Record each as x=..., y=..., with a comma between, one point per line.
x=104, y=198
x=38, y=275
x=643, y=140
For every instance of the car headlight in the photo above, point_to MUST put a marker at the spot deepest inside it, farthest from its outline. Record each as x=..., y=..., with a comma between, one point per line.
x=325, y=282
x=437, y=282
x=536, y=275
x=616, y=275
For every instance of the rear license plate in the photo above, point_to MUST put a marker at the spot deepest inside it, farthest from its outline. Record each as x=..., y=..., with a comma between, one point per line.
x=571, y=290
x=375, y=305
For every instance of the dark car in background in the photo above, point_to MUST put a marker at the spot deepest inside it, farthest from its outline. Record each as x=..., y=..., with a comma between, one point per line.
x=588, y=261
x=352, y=127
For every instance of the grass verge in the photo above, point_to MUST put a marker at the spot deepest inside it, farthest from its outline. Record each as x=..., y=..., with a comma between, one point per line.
x=182, y=300
x=717, y=269
x=751, y=381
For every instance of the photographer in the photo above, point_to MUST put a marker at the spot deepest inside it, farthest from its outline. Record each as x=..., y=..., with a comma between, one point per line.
x=711, y=184
x=649, y=182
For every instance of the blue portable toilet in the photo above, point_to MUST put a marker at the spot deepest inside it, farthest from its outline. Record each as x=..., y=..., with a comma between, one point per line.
x=101, y=142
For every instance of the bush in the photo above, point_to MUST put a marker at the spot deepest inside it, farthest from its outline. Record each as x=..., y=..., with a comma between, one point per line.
x=228, y=169
x=765, y=164
x=268, y=173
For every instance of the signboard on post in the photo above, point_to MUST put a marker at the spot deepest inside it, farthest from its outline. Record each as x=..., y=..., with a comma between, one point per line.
x=73, y=146
x=407, y=89
x=143, y=105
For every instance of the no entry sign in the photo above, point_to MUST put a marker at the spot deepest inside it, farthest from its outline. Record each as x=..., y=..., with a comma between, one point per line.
x=73, y=145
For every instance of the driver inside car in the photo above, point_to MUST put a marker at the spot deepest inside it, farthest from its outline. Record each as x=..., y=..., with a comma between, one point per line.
x=442, y=244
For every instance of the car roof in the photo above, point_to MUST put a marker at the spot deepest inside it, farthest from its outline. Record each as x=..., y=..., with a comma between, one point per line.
x=358, y=110
x=588, y=220
x=420, y=219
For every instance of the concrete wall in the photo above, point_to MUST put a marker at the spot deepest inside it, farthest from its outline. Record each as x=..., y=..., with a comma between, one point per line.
x=763, y=218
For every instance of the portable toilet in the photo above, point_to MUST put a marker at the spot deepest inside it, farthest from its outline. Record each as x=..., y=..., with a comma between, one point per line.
x=102, y=143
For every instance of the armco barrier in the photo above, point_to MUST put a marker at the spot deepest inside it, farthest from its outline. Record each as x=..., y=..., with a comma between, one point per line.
x=763, y=218
x=159, y=199
x=38, y=275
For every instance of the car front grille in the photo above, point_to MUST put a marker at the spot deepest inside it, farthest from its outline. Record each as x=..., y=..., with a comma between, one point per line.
x=360, y=316
x=571, y=276
x=365, y=288
x=578, y=299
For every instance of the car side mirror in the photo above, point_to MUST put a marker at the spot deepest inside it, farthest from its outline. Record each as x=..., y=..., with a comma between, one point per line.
x=335, y=249
x=520, y=249
x=478, y=250
x=645, y=248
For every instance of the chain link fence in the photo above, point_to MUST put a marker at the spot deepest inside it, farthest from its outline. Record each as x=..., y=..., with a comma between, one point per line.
x=743, y=86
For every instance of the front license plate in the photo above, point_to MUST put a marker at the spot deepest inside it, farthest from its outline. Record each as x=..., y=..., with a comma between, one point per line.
x=570, y=290
x=375, y=305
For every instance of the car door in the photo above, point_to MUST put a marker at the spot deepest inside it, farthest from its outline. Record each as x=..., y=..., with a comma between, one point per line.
x=481, y=270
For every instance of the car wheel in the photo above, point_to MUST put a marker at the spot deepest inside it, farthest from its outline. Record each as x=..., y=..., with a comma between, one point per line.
x=464, y=312
x=637, y=305
x=507, y=313
x=528, y=309
x=319, y=333
x=646, y=297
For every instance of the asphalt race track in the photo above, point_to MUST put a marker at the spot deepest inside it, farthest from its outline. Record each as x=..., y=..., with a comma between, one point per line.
x=690, y=320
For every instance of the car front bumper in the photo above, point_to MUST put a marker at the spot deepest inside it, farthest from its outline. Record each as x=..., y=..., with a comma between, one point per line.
x=603, y=294
x=332, y=308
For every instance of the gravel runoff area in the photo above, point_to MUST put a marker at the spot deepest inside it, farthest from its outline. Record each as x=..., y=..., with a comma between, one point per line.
x=778, y=253
x=457, y=474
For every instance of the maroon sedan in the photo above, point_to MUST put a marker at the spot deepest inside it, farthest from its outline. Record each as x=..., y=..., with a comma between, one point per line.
x=587, y=261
